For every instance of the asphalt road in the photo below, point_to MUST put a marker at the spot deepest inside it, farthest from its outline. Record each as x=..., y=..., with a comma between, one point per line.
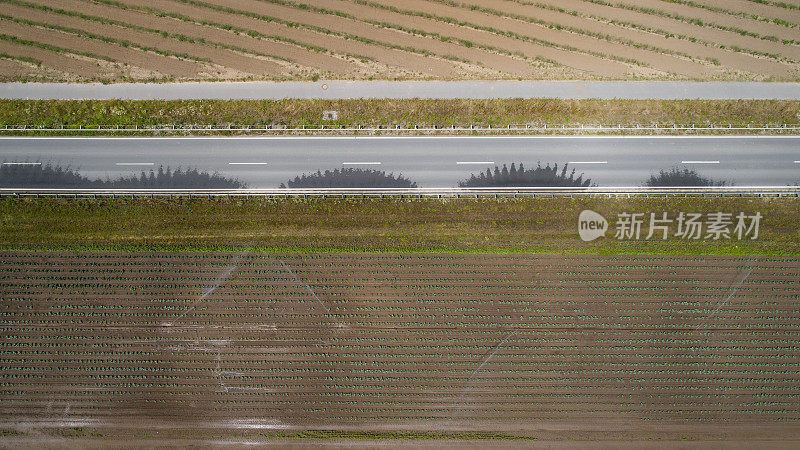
x=664, y=90
x=433, y=162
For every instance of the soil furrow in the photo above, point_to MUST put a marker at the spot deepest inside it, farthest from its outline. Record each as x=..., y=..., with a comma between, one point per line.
x=212, y=35
x=752, y=8
x=761, y=28
x=63, y=63
x=727, y=59
x=592, y=46
x=392, y=57
x=589, y=63
x=222, y=57
x=677, y=27
x=500, y=342
x=338, y=24
x=146, y=60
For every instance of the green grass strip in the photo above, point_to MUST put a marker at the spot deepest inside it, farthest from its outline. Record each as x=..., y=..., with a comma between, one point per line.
x=317, y=225
x=406, y=113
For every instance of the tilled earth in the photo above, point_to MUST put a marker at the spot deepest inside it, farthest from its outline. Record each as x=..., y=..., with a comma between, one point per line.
x=518, y=343
x=82, y=40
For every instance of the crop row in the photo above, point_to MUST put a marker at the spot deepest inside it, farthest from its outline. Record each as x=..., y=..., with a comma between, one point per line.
x=282, y=39
x=491, y=338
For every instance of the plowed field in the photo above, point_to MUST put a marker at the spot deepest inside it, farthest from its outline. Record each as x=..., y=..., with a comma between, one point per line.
x=413, y=39
x=507, y=343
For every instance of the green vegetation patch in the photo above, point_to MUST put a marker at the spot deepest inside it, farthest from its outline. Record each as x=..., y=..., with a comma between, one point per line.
x=352, y=224
x=405, y=113
x=393, y=435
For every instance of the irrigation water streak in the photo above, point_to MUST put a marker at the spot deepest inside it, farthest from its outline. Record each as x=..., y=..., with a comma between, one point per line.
x=505, y=341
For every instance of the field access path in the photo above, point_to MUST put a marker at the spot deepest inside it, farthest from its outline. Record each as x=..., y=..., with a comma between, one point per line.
x=432, y=162
x=271, y=90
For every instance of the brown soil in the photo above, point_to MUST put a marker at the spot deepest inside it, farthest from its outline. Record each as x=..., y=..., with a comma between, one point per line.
x=577, y=345
x=570, y=44
x=751, y=7
x=146, y=60
x=584, y=61
x=391, y=57
x=587, y=63
x=738, y=61
x=51, y=59
x=222, y=57
x=299, y=55
x=678, y=27
x=727, y=20
x=388, y=36
x=19, y=70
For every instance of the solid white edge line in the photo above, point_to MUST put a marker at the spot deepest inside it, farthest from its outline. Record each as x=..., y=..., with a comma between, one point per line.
x=211, y=138
x=699, y=162
x=247, y=163
x=135, y=164
x=797, y=162
x=587, y=162
x=618, y=189
x=475, y=162
x=22, y=164
x=366, y=163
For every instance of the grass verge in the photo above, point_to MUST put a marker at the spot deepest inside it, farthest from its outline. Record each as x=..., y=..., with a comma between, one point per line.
x=405, y=113
x=486, y=225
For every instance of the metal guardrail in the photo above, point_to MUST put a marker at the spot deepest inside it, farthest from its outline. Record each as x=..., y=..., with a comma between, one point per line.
x=517, y=128
x=748, y=191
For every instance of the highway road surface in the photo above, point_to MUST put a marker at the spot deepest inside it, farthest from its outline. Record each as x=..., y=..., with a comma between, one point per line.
x=433, y=162
x=660, y=90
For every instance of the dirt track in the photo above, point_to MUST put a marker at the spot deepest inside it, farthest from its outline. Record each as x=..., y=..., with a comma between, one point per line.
x=515, y=343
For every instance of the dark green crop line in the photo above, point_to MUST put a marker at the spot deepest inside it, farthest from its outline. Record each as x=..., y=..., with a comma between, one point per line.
x=394, y=435
x=742, y=14
x=52, y=48
x=381, y=24
x=528, y=19
x=691, y=39
x=106, y=39
x=694, y=21
x=414, y=31
x=234, y=29
x=682, y=36
x=21, y=59
x=611, y=38
x=777, y=4
x=492, y=30
x=621, y=23
x=179, y=37
x=496, y=31
x=291, y=24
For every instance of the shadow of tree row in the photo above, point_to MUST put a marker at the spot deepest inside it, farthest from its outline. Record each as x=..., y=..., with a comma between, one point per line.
x=53, y=176
x=522, y=177
x=514, y=176
x=680, y=177
x=349, y=178
x=35, y=175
